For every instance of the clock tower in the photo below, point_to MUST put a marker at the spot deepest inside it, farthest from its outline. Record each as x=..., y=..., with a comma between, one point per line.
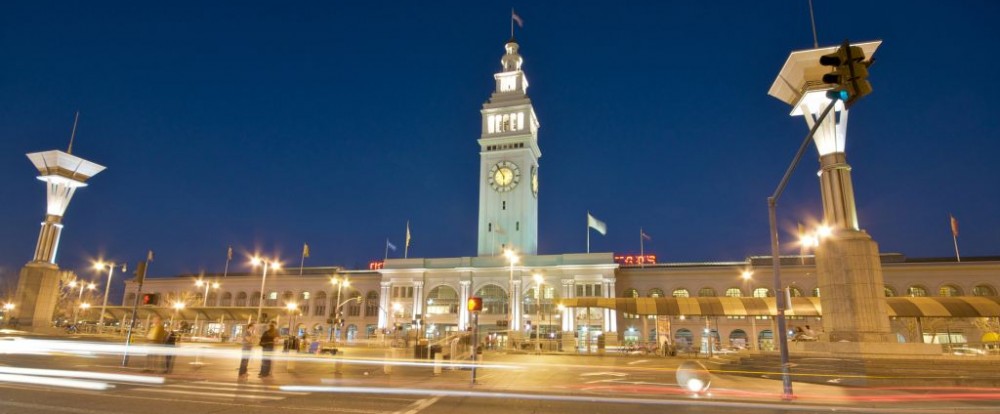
x=508, y=168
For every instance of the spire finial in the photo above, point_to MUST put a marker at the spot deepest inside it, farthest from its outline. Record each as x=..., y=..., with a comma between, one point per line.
x=73, y=134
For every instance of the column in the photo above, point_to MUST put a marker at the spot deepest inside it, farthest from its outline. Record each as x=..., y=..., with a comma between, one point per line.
x=383, y=307
x=517, y=323
x=568, y=316
x=463, y=308
x=610, y=315
x=418, y=299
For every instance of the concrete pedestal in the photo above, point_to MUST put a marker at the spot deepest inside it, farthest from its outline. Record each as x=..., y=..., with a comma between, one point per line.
x=37, y=294
x=852, y=290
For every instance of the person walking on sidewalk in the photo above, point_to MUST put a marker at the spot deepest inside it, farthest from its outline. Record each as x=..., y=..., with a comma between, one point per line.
x=247, y=340
x=155, y=336
x=267, y=339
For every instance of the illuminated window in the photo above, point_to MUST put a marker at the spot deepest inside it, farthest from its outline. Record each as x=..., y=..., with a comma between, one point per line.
x=442, y=300
x=734, y=292
x=949, y=290
x=706, y=292
x=815, y=292
x=795, y=292
x=916, y=291
x=681, y=293
x=656, y=293
x=762, y=293
x=984, y=290
x=629, y=293
x=520, y=121
x=505, y=124
x=490, y=128
x=889, y=292
x=494, y=300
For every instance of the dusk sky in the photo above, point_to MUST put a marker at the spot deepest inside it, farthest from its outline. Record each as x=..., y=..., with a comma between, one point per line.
x=266, y=125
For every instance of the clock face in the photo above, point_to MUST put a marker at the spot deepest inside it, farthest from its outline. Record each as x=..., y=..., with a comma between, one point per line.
x=504, y=176
x=534, y=181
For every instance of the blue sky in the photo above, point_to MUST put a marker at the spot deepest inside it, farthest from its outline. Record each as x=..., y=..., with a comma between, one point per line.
x=264, y=125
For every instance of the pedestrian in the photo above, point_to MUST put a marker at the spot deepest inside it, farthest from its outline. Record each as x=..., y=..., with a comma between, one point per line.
x=267, y=339
x=247, y=340
x=171, y=341
x=155, y=336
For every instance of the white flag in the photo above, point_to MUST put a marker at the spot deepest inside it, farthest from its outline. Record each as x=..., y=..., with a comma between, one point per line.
x=390, y=245
x=596, y=224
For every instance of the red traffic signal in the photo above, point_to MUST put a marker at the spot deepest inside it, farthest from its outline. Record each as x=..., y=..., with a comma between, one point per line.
x=151, y=299
x=475, y=304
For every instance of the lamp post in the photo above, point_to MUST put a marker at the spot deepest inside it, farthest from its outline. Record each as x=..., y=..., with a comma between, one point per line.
x=292, y=308
x=200, y=283
x=83, y=307
x=539, y=295
x=339, y=283
x=257, y=261
x=8, y=308
x=512, y=257
x=747, y=276
x=79, y=297
x=111, y=271
x=397, y=308
x=177, y=308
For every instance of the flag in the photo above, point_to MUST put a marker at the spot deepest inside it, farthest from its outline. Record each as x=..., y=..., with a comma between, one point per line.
x=596, y=224
x=407, y=234
x=644, y=235
x=390, y=245
x=305, y=250
x=229, y=253
x=954, y=226
x=149, y=256
x=516, y=18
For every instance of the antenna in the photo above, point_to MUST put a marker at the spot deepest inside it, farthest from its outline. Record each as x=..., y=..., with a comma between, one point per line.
x=73, y=134
x=812, y=17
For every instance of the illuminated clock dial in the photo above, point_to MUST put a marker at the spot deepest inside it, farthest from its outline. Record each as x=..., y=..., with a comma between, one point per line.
x=504, y=176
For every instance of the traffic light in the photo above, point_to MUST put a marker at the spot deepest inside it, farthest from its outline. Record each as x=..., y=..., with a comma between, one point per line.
x=151, y=299
x=475, y=304
x=850, y=74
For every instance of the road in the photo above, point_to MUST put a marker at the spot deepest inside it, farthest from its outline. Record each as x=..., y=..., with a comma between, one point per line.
x=205, y=381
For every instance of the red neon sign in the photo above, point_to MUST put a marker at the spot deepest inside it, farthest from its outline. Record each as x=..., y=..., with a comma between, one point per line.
x=627, y=260
x=376, y=264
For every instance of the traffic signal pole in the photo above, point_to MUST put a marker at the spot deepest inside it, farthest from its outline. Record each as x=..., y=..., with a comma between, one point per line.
x=140, y=275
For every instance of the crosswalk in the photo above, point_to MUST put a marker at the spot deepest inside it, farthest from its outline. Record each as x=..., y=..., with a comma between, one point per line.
x=212, y=390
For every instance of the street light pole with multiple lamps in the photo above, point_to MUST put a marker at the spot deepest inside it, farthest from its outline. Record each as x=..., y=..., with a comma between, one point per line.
x=257, y=261
x=111, y=271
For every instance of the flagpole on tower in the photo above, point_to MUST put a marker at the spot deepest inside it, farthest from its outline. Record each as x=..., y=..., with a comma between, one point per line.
x=954, y=235
x=386, y=256
x=511, y=22
x=406, y=249
x=642, y=251
x=229, y=258
x=588, y=231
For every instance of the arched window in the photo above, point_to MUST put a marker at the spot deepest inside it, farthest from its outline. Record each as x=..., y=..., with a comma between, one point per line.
x=303, y=302
x=889, y=291
x=762, y=293
x=494, y=300
x=286, y=298
x=656, y=293
x=795, y=292
x=984, y=290
x=815, y=292
x=683, y=338
x=706, y=292
x=354, y=306
x=199, y=299
x=738, y=336
x=949, y=291
x=628, y=293
x=241, y=299
x=734, y=292
x=319, y=300
x=213, y=298
x=917, y=291
x=255, y=299
x=442, y=300
x=371, y=303
x=227, y=299
x=681, y=293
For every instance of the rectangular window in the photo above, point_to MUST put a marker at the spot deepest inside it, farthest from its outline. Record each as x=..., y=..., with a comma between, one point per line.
x=489, y=124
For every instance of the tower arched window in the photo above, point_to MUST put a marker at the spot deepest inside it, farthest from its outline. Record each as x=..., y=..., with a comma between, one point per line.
x=949, y=290
x=917, y=291
x=889, y=291
x=984, y=290
x=631, y=293
x=706, y=292
x=681, y=293
x=734, y=292
x=656, y=293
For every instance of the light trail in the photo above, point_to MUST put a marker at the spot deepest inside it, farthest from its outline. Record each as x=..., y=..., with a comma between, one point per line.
x=81, y=374
x=55, y=382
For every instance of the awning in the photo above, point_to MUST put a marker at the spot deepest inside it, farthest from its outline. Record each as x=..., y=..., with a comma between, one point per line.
x=927, y=307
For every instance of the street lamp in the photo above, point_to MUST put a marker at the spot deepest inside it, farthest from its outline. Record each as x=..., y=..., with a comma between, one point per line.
x=177, y=308
x=84, y=306
x=747, y=276
x=340, y=283
x=200, y=283
x=292, y=308
x=111, y=271
x=513, y=258
x=257, y=261
x=8, y=308
x=539, y=295
x=79, y=297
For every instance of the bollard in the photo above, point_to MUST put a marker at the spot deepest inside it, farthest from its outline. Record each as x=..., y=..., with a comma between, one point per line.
x=387, y=367
x=438, y=360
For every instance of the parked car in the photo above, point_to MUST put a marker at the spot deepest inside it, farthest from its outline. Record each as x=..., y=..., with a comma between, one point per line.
x=966, y=351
